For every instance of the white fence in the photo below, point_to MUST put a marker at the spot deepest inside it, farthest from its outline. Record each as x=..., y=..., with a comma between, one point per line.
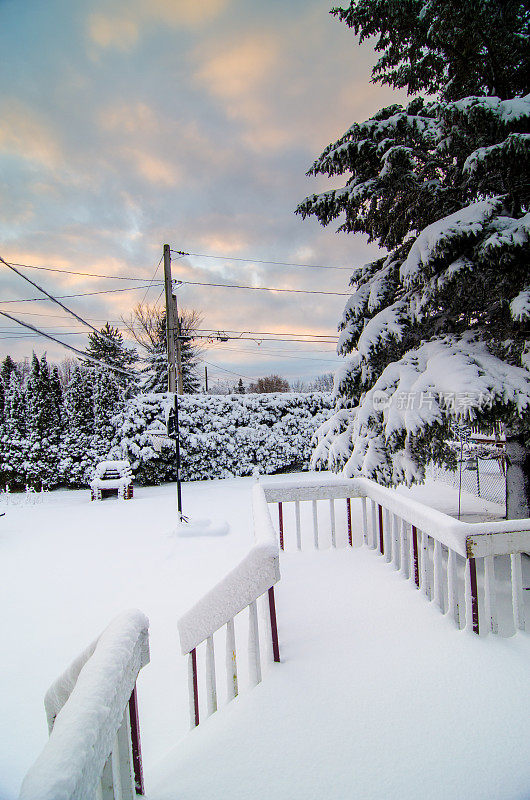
x=249, y=583
x=94, y=745
x=460, y=567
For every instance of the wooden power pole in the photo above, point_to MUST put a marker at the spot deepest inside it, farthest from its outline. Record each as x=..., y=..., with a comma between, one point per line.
x=173, y=361
x=171, y=326
x=180, y=386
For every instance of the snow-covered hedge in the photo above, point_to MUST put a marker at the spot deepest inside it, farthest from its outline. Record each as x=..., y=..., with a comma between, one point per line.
x=221, y=436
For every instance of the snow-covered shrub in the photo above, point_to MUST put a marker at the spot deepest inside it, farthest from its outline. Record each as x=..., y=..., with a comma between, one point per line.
x=221, y=436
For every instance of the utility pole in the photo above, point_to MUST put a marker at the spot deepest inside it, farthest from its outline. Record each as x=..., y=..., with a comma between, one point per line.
x=170, y=322
x=172, y=327
x=206, y=379
x=180, y=386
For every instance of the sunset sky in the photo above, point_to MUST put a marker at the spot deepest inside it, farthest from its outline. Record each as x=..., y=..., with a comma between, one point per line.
x=129, y=123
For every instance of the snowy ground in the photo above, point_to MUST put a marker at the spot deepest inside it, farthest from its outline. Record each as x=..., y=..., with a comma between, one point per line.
x=377, y=696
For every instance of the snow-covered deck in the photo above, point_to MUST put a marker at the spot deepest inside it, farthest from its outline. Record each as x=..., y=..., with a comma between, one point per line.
x=377, y=697
x=377, y=694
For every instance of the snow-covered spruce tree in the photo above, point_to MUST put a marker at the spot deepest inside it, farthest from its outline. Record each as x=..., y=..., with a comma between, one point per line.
x=43, y=425
x=109, y=400
x=108, y=346
x=79, y=451
x=438, y=329
x=13, y=441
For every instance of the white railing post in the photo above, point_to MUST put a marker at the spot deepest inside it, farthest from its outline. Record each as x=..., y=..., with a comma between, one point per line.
x=298, y=525
x=365, y=522
x=231, y=661
x=332, y=522
x=253, y=646
x=373, y=541
x=517, y=592
x=404, y=550
x=437, y=595
x=211, y=687
x=396, y=542
x=125, y=762
x=315, y=524
x=387, y=536
x=452, y=588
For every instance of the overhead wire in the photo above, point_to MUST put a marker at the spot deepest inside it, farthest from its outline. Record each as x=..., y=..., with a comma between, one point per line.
x=82, y=274
x=68, y=346
x=258, y=288
x=152, y=280
x=51, y=297
x=260, y=261
x=68, y=296
x=223, y=369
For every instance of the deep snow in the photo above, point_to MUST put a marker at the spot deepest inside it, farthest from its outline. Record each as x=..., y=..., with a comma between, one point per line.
x=377, y=690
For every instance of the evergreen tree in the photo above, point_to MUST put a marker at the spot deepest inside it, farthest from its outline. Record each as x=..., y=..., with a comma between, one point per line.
x=8, y=366
x=109, y=400
x=437, y=329
x=57, y=390
x=79, y=452
x=13, y=441
x=148, y=326
x=108, y=346
x=240, y=387
x=43, y=425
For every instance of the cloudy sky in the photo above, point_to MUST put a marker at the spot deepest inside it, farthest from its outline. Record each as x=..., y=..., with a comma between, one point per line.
x=125, y=124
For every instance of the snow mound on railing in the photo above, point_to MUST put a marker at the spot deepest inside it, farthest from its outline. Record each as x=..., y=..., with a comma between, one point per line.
x=85, y=707
x=252, y=577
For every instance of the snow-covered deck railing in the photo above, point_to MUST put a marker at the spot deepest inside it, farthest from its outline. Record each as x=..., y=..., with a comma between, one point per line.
x=252, y=580
x=426, y=545
x=94, y=745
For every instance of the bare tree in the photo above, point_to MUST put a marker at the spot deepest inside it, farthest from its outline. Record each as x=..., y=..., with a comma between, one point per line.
x=147, y=325
x=271, y=383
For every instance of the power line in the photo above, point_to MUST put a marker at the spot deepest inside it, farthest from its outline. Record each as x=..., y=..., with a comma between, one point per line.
x=68, y=296
x=259, y=288
x=83, y=274
x=270, y=333
x=216, y=366
x=317, y=336
x=68, y=346
x=223, y=338
x=48, y=295
x=279, y=355
x=104, y=336
x=261, y=261
x=152, y=279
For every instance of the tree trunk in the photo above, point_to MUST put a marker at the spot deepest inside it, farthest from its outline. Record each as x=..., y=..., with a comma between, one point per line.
x=517, y=478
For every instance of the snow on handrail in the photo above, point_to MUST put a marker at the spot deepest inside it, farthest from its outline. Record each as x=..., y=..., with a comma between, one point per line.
x=249, y=583
x=252, y=577
x=413, y=536
x=86, y=708
x=468, y=539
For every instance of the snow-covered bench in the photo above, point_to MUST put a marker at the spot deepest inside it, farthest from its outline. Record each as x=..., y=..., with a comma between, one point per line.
x=94, y=745
x=112, y=476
